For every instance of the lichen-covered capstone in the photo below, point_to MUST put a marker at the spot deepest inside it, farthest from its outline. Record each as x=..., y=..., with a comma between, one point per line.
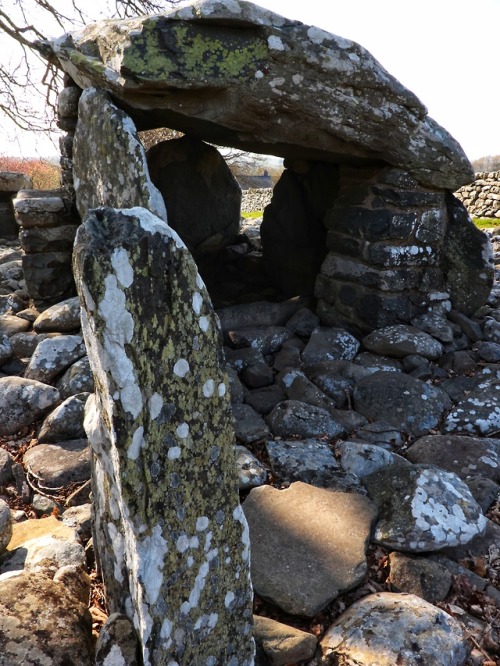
x=171, y=536
x=239, y=75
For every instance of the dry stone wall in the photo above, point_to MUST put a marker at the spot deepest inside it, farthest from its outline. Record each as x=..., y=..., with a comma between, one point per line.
x=254, y=200
x=482, y=197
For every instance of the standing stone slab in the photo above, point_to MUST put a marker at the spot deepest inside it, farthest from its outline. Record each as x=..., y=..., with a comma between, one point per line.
x=109, y=161
x=170, y=533
x=308, y=544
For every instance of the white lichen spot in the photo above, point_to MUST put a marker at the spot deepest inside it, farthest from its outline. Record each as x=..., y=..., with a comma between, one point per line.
x=221, y=390
x=118, y=551
x=166, y=629
x=182, y=543
x=199, y=281
x=204, y=324
x=297, y=79
x=182, y=430
x=114, y=657
x=155, y=405
x=228, y=600
x=259, y=74
x=151, y=553
x=137, y=444
x=197, y=302
x=274, y=42
x=174, y=453
x=201, y=524
x=122, y=267
x=181, y=368
x=208, y=388
x=317, y=36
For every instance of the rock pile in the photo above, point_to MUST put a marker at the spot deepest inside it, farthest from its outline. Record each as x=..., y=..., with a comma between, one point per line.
x=347, y=449
x=482, y=197
x=253, y=200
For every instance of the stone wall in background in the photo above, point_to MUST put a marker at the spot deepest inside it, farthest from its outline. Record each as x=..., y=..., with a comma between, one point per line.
x=253, y=200
x=10, y=183
x=482, y=197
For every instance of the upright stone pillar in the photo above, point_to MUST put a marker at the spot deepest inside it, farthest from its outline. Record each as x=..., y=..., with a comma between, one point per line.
x=170, y=534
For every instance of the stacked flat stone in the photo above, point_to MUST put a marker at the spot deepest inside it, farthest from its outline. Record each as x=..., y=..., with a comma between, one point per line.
x=10, y=183
x=48, y=225
x=482, y=197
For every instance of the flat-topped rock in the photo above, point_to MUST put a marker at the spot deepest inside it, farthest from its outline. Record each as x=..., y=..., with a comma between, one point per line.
x=274, y=86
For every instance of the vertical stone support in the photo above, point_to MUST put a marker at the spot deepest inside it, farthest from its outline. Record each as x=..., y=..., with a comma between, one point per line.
x=170, y=533
x=10, y=184
x=48, y=223
x=385, y=239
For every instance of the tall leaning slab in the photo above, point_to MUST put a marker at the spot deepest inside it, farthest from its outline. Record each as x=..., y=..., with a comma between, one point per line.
x=171, y=537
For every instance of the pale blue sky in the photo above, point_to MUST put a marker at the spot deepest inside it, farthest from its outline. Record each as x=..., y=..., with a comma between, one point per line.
x=445, y=51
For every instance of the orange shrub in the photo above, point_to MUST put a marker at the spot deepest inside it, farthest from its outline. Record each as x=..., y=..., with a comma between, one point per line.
x=44, y=174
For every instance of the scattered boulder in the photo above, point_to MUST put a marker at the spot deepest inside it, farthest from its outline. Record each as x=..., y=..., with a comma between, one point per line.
x=308, y=544
x=62, y=317
x=53, y=356
x=293, y=417
x=387, y=629
x=65, y=422
x=402, y=401
x=58, y=465
x=23, y=401
x=478, y=413
x=401, y=340
x=330, y=344
x=422, y=509
x=283, y=644
x=422, y=576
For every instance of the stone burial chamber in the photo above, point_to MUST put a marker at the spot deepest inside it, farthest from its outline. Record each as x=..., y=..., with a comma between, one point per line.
x=363, y=218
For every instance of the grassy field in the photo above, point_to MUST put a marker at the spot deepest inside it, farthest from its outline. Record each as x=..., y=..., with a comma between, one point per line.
x=253, y=215
x=486, y=223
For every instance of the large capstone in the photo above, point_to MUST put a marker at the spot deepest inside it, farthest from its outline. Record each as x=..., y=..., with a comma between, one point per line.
x=239, y=75
x=170, y=533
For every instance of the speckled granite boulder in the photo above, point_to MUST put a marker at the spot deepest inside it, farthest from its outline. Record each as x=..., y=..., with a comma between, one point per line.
x=64, y=316
x=423, y=509
x=23, y=401
x=34, y=607
x=65, y=422
x=388, y=629
x=53, y=356
x=402, y=401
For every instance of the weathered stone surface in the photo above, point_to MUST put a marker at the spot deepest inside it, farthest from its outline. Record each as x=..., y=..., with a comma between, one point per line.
x=62, y=317
x=58, y=465
x=104, y=129
x=5, y=349
x=307, y=460
x=387, y=629
x=25, y=343
x=402, y=401
x=203, y=197
x=298, y=387
x=267, y=314
x=283, y=644
x=117, y=642
x=468, y=260
x=264, y=399
x=13, y=181
x=423, y=508
x=292, y=529
x=422, y=576
x=266, y=339
x=5, y=467
x=292, y=231
x=401, y=340
x=22, y=402
x=248, y=425
x=251, y=472
x=5, y=526
x=33, y=607
x=478, y=413
x=48, y=276
x=253, y=65
x=361, y=459
x=330, y=344
x=292, y=417
x=464, y=456
x=53, y=356
x=77, y=379
x=163, y=538
x=11, y=324
x=52, y=239
x=65, y=422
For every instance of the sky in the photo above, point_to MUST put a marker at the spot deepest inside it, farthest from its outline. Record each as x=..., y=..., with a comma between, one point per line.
x=444, y=51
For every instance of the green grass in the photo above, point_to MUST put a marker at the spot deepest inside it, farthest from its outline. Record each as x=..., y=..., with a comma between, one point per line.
x=253, y=215
x=486, y=222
